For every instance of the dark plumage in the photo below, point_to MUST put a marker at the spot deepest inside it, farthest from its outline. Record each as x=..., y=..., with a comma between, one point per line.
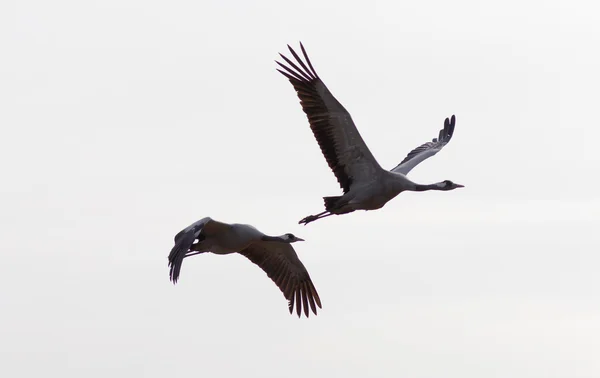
x=366, y=185
x=328, y=118
x=273, y=254
x=288, y=273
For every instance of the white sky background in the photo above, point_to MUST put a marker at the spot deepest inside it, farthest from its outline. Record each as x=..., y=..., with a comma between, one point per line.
x=124, y=121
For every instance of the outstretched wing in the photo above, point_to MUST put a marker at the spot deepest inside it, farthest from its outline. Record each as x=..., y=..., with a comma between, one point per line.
x=428, y=149
x=282, y=265
x=186, y=237
x=344, y=149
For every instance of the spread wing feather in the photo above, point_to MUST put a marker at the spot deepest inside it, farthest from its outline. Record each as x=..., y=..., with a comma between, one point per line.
x=342, y=145
x=428, y=149
x=282, y=265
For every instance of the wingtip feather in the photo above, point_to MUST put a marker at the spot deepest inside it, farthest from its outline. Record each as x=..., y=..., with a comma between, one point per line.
x=298, y=303
x=308, y=61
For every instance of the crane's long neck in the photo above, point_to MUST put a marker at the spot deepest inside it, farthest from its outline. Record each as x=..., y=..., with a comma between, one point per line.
x=422, y=188
x=273, y=238
x=401, y=183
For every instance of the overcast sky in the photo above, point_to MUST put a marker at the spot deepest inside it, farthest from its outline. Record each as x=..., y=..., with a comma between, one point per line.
x=125, y=121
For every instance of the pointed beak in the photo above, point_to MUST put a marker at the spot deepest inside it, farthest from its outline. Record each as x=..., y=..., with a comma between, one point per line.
x=459, y=186
x=298, y=239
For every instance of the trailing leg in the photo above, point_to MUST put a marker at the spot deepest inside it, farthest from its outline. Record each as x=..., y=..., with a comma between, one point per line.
x=312, y=218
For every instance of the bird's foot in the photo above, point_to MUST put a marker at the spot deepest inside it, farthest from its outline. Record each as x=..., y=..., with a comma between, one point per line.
x=308, y=219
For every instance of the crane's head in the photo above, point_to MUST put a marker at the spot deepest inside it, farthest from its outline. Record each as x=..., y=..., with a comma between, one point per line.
x=449, y=185
x=291, y=238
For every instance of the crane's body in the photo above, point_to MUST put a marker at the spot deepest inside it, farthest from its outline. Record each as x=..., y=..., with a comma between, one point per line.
x=366, y=185
x=232, y=239
x=371, y=195
x=273, y=254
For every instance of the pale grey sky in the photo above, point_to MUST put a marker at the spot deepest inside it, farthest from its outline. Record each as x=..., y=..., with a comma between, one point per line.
x=124, y=121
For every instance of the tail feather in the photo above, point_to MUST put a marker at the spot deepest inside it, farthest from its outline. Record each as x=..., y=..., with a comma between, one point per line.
x=330, y=202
